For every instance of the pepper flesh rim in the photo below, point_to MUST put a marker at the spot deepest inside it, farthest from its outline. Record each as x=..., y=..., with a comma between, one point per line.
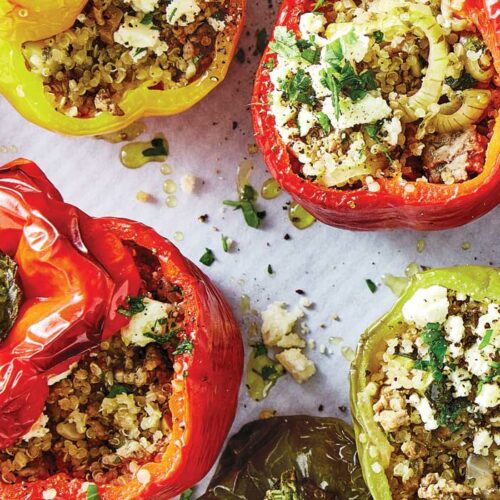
x=24, y=89
x=478, y=282
x=425, y=206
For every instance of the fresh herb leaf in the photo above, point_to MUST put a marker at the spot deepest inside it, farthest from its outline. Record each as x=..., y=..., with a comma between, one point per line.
x=432, y=335
x=252, y=217
x=148, y=18
x=298, y=88
x=164, y=337
x=270, y=270
x=486, y=339
x=372, y=130
x=422, y=364
x=158, y=148
x=185, y=346
x=93, y=492
x=330, y=82
x=270, y=64
x=119, y=389
x=249, y=193
x=333, y=53
x=186, y=495
x=208, y=257
x=371, y=285
x=463, y=82
x=226, y=243
x=285, y=43
x=259, y=349
x=318, y=5
x=172, y=14
x=311, y=55
x=139, y=50
x=378, y=36
x=135, y=306
x=268, y=372
x=324, y=122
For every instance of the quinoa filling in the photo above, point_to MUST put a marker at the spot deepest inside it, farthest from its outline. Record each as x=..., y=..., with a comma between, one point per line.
x=109, y=413
x=371, y=89
x=119, y=45
x=436, y=397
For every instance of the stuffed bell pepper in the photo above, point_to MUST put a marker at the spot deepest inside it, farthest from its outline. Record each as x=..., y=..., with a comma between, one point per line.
x=383, y=114
x=425, y=393
x=120, y=362
x=90, y=67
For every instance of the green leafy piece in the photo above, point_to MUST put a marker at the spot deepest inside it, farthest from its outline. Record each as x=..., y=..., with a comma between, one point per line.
x=163, y=338
x=378, y=36
x=432, y=335
x=148, y=18
x=93, y=492
x=298, y=88
x=135, y=306
x=208, y=258
x=259, y=349
x=318, y=5
x=139, y=50
x=422, y=364
x=226, y=243
x=333, y=53
x=185, y=346
x=448, y=408
x=119, y=389
x=159, y=147
x=268, y=373
x=310, y=457
x=270, y=64
x=252, y=217
x=371, y=285
x=172, y=14
x=186, y=495
x=327, y=77
x=463, y=82
x=311, y=55
x=372, y=129
x=285, y=44
x=270, y=269
x=324, y=122
x=486, y=339
x=10, y=294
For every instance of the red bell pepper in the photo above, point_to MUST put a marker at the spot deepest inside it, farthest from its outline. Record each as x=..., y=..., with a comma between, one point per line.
x=75, y=271
x=425, y=206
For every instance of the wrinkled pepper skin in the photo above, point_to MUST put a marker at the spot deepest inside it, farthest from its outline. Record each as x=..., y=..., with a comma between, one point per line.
x=480, y=283
x=75, y=271
x=428, y=206
x=29, y=20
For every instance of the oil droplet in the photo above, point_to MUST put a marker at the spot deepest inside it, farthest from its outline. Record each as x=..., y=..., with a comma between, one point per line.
x=396, y=284
x=270, y=189
x=127, y=134
x=299, y=216
x=142, y=196
x=420, y=245
x=178, y=236
x=336, y=340
x=348, y=353
x=243, y=175
x=171, y=201
x=166, y=169
x=169, y=186
x=137, y=154
x=245, y=303
x=466, y=245
x=411, y=269
x=262, y=373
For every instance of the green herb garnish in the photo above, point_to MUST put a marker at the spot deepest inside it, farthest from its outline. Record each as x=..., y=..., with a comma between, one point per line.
x=172, y=14
x=93, y=492
x=259, y=349
x=268, y=372
x=163, y=338
x=324, y=122
x=208, y=257
x=270, y=270
x=135, y=306
x=378, y=36
x=119, y=389
x=463, y=82
x=270, y=64
x=371, y=285
x=432, y=335
x=246, y=204
x=226, y=243
x=148, y=18
x=298, y=88
x=186, y=495
x=285, y=44
x=185, y=346
x=158, y=148
x=486, y=339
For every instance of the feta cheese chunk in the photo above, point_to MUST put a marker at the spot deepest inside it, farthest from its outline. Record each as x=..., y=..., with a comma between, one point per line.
x=294, y=362
x=489, y=321
x=311, y=23
x=145, y=322
x=277, y=325
x=135, y=35
x=489, y=397
x=143, y=5
x=454, y=328
x=460, y=378
x=477, y=361
x=182, y=12
x=306, y=121
x=425, y=410
x=482, y=442
x=428, y=305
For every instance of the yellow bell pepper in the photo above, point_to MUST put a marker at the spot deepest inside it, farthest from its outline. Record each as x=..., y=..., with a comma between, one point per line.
x=30, y=20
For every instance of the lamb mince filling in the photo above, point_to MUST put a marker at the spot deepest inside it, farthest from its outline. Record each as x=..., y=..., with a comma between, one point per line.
x=118, y=45
x=436, y=395
x=364, y=90
x=109, y=412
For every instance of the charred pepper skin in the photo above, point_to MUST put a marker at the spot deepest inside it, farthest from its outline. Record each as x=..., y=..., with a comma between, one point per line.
x=478, y=282
x=91, y=251
x=428, y=206
x=27, y=20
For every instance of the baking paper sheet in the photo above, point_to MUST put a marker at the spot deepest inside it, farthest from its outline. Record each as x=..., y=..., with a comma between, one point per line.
x=330, y=265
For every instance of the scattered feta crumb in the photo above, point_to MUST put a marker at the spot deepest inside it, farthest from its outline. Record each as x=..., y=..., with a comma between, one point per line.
x=489, y=397
x=482, y=442
x=294, y=362
x=277, y=324
x=425, y=410
x=188, y=183
x=182, y=12
x=49, y=494
x=428, y=305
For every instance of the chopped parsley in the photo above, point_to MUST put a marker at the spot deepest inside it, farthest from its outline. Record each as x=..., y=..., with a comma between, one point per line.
x=268, y=372
x=432, y=335
x=285, y=44
x=463, y=82
x=208, y=258
x=318, y=5
x=226, y=243
x=162, y=338
x=378, y=36
x=185, y=346
x=135, y=306
x=371, y=285
x=486, y=339
x=298, y=88
x=447, y=407
x=148, y=18
x=259, y=349
x=270, y=64
x=270, y=270
x=324, y=122
x=119, y=389
x=172, y=14
x=159, y=147
x=246, y=204
x=373, y=130
x=139, y=50
x=93, y=492
x=186, y=495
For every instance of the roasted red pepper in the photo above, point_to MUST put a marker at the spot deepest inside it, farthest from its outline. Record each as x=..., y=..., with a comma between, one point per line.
x=426, y=206
x=75, y=272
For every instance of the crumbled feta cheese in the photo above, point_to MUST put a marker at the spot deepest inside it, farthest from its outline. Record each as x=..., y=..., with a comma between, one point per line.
x=143, y=5
x=282, y=114
x=355, y=46
x=404, y=470
x=428, y=305
x=188, y=183
x=216, y=24
x=294, y=362
x=477, y=361
x=317, y=80
x=277, y=325
x=128, y=449
x=390, y=131
x=425, y=410
x=135, y=35
x=489, y=321
x=38, y=429
x=49, y=494
x=182, y=12
x=482, y=442
x=145, y=321
x=306, y=120
x=460, y=378
x=489, y=397
x=454, y=329
x=311, y=23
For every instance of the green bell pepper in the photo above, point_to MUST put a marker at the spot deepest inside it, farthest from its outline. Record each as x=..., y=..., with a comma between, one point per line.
x=293, y=458
x=374, y=449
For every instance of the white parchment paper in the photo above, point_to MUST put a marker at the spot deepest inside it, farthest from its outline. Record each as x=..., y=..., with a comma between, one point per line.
x=330, y=265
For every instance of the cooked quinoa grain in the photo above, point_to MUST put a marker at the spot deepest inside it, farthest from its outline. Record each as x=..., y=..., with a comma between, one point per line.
x=437, y=396
x=119, y=45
